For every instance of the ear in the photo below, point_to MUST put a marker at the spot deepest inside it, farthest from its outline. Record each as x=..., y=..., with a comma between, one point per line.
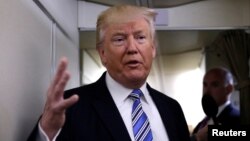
x=153, y=51
x=229, y=88
x=102, y=55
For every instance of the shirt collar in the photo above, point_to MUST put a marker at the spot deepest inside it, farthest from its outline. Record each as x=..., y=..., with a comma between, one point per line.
x=121, y=93
x=222, y=107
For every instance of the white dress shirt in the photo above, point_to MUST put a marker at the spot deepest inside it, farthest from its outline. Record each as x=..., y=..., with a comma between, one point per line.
x=124, y=104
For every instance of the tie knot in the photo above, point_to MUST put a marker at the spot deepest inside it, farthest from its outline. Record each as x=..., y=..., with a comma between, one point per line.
x=136, y=94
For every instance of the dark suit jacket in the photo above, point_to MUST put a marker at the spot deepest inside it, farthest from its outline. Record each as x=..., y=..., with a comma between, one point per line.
x=229, y=116
x=96, y=118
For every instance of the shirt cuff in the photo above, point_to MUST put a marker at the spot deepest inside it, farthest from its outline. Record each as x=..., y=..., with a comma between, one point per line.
x=42, y=136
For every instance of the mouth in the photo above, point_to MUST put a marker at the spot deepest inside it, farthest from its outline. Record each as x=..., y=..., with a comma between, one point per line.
x=133, y=63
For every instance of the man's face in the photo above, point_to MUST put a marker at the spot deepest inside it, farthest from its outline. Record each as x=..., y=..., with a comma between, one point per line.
x=128, y=52
x=214, y=85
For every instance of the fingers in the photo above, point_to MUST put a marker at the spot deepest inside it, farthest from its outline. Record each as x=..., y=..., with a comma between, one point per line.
x=60, y=70
x=60, y=80
x=53, y=117
x=68, y=102
x=60, y=86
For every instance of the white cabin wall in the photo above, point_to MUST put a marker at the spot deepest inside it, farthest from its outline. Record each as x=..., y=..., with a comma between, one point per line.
x=25, y=67
x=65, y=12
x=65, y=36
x=30, y=47
x=67, y=48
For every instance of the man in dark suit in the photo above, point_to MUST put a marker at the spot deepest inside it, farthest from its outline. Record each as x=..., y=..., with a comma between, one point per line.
x=102, y=111
x=218, y=83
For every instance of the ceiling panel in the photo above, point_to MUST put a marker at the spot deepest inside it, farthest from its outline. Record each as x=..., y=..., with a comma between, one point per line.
x=170, y=3
x=113, y=2
x=149, y=3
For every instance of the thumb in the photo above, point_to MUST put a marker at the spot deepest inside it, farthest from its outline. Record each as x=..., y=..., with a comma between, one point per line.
x=69, y=101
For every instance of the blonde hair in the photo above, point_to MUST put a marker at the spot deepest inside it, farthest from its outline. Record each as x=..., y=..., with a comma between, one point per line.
x=122, y=14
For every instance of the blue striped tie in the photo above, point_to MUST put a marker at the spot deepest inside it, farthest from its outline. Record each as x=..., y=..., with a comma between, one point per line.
x=141, y=127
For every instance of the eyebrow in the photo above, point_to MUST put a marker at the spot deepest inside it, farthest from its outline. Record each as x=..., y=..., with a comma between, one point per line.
x=138, y=32
x=123, y=33
x=119, y=33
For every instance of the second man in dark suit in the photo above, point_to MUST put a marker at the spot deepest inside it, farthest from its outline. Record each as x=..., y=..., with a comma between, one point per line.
x=218, y=83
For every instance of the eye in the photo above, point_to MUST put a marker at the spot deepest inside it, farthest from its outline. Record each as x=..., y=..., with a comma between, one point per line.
x=141, y=38
x=118, y=40
x=215, y=84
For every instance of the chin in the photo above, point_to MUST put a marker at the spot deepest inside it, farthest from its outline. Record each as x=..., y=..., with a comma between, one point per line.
x=137, y=76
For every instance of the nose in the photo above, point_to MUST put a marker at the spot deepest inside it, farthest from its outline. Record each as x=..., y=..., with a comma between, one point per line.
x=132, y=46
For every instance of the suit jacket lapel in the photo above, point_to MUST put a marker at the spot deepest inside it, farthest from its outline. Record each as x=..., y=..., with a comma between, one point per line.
x=109, y=113
x=225, y=113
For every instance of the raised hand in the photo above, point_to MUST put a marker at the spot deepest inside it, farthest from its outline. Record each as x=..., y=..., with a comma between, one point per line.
x=202, y=134
x=53, y=116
